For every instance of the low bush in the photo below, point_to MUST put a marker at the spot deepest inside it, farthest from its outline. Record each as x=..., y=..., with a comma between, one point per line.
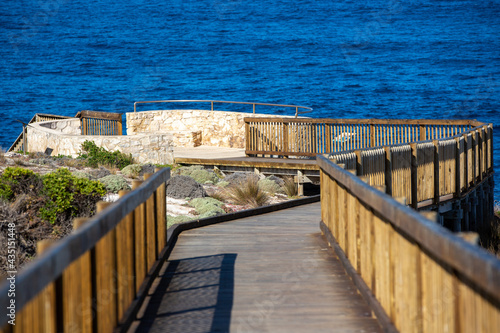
x=69, y=196
x=95, y=156
x=269, y=185
x=198, y=173
x=207, y=207
x=114, y=183
x=16, y=180
x=132, y=170
x=171, y=220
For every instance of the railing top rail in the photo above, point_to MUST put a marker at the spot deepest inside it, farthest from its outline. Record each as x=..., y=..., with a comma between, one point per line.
x=297, y=107
x=474, y=264
x=437, y=122
x=48, y=266
x=99, y=115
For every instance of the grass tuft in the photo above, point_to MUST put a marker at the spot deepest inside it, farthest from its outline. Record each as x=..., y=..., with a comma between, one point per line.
x=247, y=193
x=290, y=188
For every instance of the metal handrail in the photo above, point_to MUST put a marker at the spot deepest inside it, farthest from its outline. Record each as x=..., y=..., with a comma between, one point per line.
x=297, y=107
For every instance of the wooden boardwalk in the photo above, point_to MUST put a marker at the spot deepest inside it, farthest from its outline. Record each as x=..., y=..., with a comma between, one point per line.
x=268, y=273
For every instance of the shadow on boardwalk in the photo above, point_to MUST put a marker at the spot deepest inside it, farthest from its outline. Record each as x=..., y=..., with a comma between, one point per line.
x=192, y=295
x=271, y=272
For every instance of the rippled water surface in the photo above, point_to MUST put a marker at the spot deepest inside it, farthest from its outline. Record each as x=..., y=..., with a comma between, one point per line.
x=346, y=59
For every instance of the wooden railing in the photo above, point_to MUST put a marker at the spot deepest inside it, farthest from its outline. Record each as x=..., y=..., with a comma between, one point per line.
x=309, y=137
x=100, y=123
x=18, y=145
x=426, y=172
x=423, y=277
x=88, y=280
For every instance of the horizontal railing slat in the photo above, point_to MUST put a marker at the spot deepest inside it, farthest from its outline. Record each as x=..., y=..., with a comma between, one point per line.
x=476, y=265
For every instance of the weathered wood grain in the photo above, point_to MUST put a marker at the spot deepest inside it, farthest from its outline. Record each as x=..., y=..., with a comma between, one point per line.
x=271, y=272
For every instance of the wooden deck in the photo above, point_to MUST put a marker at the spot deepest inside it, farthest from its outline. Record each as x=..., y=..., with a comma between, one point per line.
x=268, y=273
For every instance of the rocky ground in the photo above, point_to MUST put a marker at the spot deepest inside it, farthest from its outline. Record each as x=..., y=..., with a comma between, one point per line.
x=192, y=193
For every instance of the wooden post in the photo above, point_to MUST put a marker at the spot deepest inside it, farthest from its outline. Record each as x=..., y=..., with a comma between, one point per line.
x=359, y=163
x=414, y=176
x=105, y=270
x=151, y=241
x=125, y=265
x=161, y=198
x=388, y=170
x=422, y=132
x=286, y=147
x=372, y=135
x=48, y=311
x=140, y=240
x=458, y=170
x=436, y=171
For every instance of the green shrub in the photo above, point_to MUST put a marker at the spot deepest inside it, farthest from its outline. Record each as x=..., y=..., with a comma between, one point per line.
x=114, y=183
x=81, y=174
x=132, y=170
x=269, y=186
x=16, y=180
x=96, y=156
x=198, y=173
x=171, y=220
x=66, y=194
x=208, y=206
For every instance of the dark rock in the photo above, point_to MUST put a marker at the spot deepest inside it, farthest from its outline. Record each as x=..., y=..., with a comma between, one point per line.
x=181, y=187
x=241, y=177
x=277, y=180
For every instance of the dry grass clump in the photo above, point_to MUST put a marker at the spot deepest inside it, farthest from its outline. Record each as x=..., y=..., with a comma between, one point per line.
x=218, y=195
x=246, y=193
x=290, y=187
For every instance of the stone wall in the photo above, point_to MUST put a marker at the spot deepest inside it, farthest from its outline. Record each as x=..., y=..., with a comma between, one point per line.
x=218, y=128
x=145, y=148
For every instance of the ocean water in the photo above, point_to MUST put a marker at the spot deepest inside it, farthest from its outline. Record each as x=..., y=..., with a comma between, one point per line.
x=345, y=59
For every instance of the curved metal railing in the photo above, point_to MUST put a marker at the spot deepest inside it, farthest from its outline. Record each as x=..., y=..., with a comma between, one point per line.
x=297, y=107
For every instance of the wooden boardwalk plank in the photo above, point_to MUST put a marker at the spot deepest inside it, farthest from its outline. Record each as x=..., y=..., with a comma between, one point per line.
x=268, y=273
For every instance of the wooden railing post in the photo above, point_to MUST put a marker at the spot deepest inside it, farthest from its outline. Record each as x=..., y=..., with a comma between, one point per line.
x=458, y=170
x=286, y=147
x=388, y=170
x=372, y=135
x=48, y=310
x=140, y=240
x=125, y=261
x=423, y=133
x=77, y=291
x=105, y=277
x=436, y=171
x=414, y=176
x=151, y=227
x=359, y=163
x=161, y=215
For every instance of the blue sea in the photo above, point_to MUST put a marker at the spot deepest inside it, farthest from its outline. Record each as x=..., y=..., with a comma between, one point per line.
x=345, y=59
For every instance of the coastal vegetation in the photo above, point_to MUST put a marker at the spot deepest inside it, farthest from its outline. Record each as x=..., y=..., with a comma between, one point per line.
x=95, y=156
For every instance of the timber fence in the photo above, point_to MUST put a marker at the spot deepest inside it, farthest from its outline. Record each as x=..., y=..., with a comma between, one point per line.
x=416, y=275
x=89, y=280
x=309, y=137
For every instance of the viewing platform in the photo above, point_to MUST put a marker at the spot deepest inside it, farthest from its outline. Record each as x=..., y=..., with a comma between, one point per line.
x=378, y=250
